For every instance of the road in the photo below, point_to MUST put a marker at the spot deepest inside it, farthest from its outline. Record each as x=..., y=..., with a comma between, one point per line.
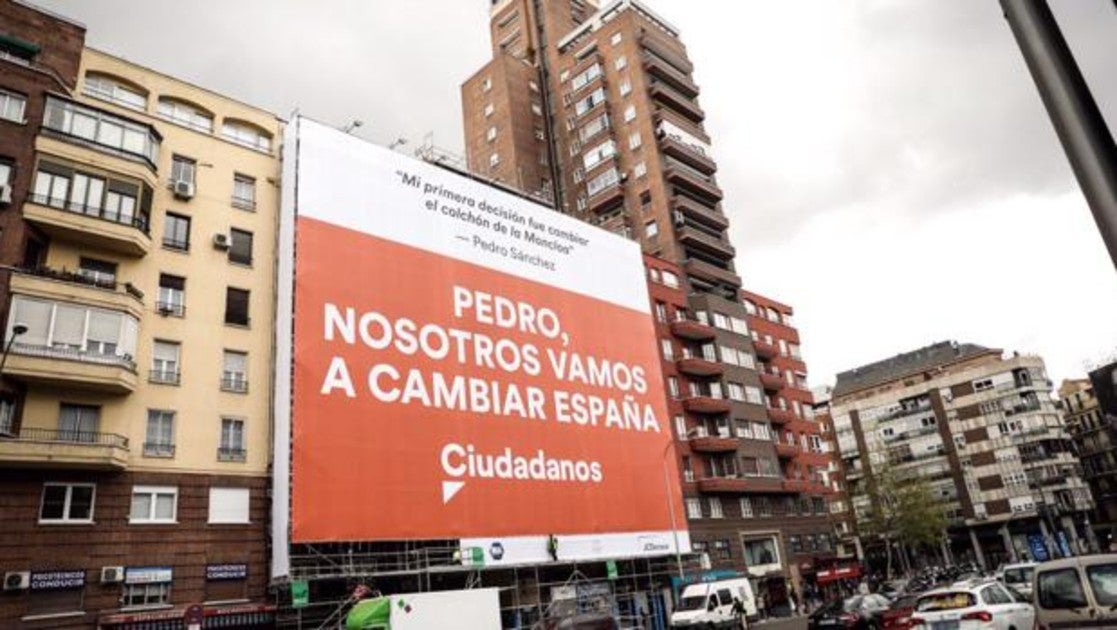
x=785, y=623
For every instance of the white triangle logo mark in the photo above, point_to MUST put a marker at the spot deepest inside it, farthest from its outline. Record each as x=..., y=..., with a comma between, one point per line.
x=449, y=489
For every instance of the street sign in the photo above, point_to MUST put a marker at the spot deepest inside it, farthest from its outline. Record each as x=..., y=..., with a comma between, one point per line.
x=300, y=594
x=1038, y=547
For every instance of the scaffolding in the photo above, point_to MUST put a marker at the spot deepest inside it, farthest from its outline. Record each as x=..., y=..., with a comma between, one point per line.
x=635, y=591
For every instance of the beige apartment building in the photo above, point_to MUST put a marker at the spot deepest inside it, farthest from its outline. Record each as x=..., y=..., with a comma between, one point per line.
x=139, y=341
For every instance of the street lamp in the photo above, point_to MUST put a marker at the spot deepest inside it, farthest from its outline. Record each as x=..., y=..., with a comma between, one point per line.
x=671, y=503
x=17, y=330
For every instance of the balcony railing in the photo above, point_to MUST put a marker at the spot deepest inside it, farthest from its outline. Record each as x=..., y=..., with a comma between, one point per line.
x=665, y=70
x=231, y=454
x=238, y=384
x=67, y=436
x=73, y=354
x=780, y=416
x=78, y=277
x=711, y=273
x=176, y=309
x=676, y=101
x=692, y=329
x=158, y=449
x=164, y=377
x=140, y=222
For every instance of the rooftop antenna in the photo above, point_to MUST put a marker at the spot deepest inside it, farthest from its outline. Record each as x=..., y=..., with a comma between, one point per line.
x=351, y=126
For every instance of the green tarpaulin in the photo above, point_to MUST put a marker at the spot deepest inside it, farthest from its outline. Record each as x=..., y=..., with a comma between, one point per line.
x=370, y=614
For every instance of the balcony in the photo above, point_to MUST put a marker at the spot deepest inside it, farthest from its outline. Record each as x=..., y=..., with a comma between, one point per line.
x=740, y=485
x=786, y=451
x=713, y=245
x=780, y=416
x=689, y=154
x=699, y=212
x=692, y=330
x=802, y=485
x=667, y=52
x=52, y=448
x=771, y=382
x=676, y=101
x=714, y=444
x=697, y=366
x=662, y=69
x=66, y=286
x=693, y=181
x=607, y=200
x=706, y=404
x=711, y=273
x=765, y=350
x=95, y=228
x=69, y=367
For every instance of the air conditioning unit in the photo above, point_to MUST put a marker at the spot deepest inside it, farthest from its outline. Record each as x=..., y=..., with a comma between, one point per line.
x=5, y=194
x=112, y=575
x=17, y=580
x=183, y=189
x=221, y=241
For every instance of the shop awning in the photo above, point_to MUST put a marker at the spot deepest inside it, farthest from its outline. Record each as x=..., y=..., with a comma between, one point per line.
x=838, y=573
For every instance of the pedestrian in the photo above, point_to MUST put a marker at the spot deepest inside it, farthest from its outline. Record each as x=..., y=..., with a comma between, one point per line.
x=762, y=606
x=793, y=600
x=739, y=612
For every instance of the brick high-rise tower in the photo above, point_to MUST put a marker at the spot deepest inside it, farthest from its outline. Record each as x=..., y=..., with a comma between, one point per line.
x=594, y=109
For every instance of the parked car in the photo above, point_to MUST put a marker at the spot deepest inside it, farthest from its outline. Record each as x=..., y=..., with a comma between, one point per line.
x=971, y=605
x=898, y=615
x=1018, y=576
x=860, y=612
x=1077, y=591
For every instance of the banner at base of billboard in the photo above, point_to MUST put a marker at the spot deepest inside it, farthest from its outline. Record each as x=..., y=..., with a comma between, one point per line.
x=466, y=364
x=541, y=549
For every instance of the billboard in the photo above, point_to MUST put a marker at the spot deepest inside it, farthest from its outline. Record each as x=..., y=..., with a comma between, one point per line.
x=465, y=365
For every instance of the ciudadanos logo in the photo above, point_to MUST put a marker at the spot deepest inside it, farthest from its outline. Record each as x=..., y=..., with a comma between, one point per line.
x=464, y=462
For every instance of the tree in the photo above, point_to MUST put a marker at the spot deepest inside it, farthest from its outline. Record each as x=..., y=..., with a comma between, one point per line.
x=904, y=511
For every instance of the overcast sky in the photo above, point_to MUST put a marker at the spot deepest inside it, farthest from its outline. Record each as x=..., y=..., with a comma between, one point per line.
x=889, y=168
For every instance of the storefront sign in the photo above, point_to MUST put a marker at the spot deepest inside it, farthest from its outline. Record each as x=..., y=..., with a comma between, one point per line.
x=838, y=573
x=215, y=572
x=51, y=580
x=148, y=575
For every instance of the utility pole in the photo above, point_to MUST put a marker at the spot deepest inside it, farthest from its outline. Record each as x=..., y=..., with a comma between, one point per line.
x=1074, y=113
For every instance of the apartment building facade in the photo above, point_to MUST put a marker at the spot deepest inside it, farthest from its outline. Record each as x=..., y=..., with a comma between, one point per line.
x=138, y=337
x=595, y=108
x=1092, y=428
x=982, y=429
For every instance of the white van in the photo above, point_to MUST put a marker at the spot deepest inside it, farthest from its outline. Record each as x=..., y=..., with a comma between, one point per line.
x=711, y=604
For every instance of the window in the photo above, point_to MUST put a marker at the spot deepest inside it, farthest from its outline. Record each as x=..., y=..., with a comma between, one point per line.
x=228, y=505
x=668, y=349
x=604, y=181
x=599, y=153
x=74, y=332
x=236, y=306
x=490, y=135
x=693, y=508
x=634, y=140
x=670, y=279
x=247, y=135
x=982, y=385
x=715, y=508
x=12, y=106
x=165, y=363
x=1103, y=581
x=160, y=438
x=673, y=386
x=78, y=423
x=620, y=63
x=615, y=39
x=494, y=159
x=154, y=504
x=486, y=84
x=185, y=114
x=680, y=427
x=231, y=448
x=1060, y=589
x=182, y=169
x=5, y=172
x=761, y=552
x=488, y=109
x=583, y=78
x=651, y=229
x=240, y=247
x=593, y=127
x=640, y=170
x=244, y=192
x=753, y=395
x=533, y=86
x=594, y=99
x=99, y=272
x=746, y=507
x=7, y=416
x=629, y=113
x=176, y=232
x=147, y=587
x=106, y=130
x=736, y=391
x=172, y=295
x=625, y=87
x=109, y=89
x=67, y=503
x=234, y=374
x=661, y=312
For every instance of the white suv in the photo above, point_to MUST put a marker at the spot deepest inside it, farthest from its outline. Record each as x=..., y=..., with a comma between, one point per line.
x=971, y=605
